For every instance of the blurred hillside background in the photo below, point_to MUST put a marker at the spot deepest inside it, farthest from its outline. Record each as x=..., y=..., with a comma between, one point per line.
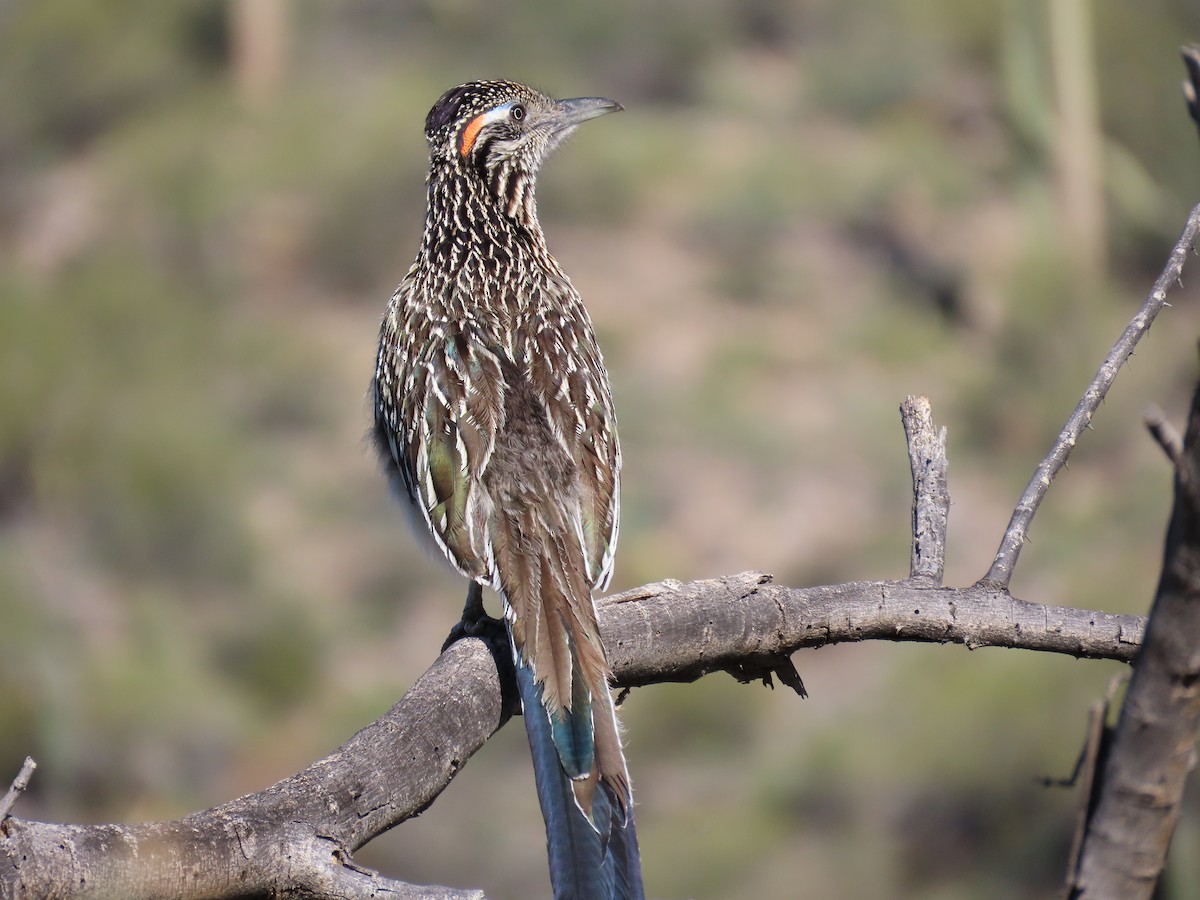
x=808, y=211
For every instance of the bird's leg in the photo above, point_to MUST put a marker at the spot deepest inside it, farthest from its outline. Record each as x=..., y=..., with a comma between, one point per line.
x=493, y=632
x=473, y=611
x=475, y=621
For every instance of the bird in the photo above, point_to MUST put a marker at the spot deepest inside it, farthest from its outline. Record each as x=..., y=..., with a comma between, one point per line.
x=494, y=418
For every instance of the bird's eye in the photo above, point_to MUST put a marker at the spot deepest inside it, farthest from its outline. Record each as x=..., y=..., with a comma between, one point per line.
x=517, y=113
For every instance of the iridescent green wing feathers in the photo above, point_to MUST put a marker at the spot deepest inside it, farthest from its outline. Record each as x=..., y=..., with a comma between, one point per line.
x=449, y=417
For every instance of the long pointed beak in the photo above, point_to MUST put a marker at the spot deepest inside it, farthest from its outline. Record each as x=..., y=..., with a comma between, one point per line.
x=580, y=109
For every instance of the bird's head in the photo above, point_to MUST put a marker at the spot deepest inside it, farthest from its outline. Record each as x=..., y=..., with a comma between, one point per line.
x=485, y=127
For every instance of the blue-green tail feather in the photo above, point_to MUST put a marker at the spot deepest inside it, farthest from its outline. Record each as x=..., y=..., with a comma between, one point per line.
x=587, y=862
x=572, y=733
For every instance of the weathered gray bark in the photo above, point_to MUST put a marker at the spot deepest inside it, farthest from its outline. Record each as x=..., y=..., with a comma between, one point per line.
x=674, y=631
x=298, y=835
x=1135, y=794
x=931, y=490
x=295, y=837
x=1140, y=788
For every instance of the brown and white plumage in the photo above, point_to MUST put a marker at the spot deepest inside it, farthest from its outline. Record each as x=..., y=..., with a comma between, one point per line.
x=493, y=410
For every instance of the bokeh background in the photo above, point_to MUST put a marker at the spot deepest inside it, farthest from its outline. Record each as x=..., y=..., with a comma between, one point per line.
x=808, y=211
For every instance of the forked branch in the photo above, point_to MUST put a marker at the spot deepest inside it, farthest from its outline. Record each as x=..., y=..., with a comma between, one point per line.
x=298, y=836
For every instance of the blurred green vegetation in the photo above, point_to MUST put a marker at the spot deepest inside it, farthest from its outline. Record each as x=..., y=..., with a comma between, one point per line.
x=808, y=211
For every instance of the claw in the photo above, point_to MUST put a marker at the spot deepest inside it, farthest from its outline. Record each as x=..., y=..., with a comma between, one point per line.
x=475, y=621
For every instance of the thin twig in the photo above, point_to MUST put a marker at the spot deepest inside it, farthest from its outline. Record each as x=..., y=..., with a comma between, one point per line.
x=931, y=495
x=1000, y=574
x=18, y=787
x=1191, y=86
x=1164, y=434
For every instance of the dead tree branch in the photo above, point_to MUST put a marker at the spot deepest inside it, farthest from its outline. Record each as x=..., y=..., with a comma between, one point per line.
x=1164, y=434
x=1191, y=84
x=931, y=492
x=1000, y=574
x=17, y=787
x=295, y=838
x=298, y=836
x=1125, y=840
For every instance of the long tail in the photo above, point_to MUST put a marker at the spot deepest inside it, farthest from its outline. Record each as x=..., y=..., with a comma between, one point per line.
x=587, y=862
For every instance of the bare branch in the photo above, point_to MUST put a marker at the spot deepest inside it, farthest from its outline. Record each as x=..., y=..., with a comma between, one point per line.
x=931, y=493
x=1085, y=777
x=17, y=788
x=1000, y=573
x=298, y=835
x=294, y=838
x=1164, y=434
x=674, y=631
x=1154, y=747
x=1191, y=85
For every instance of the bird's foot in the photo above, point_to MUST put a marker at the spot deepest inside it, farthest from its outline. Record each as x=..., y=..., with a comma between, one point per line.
x=475, y=622
x=487, y=628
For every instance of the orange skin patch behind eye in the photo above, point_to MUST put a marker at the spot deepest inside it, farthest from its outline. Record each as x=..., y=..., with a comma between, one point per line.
x=470, y=133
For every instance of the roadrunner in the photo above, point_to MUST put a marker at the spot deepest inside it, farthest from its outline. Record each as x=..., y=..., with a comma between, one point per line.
x=493, y=414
